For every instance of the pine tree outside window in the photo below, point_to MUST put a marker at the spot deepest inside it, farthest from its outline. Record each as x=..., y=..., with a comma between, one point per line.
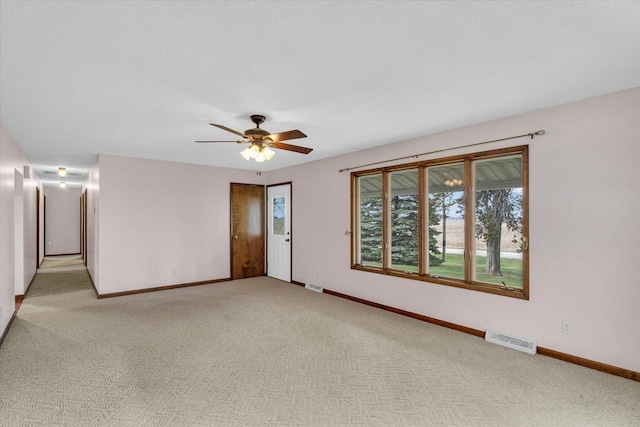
x=370, y=224
x=405, y=225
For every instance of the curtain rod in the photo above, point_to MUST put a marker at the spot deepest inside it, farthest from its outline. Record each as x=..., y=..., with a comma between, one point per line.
x=415, y=156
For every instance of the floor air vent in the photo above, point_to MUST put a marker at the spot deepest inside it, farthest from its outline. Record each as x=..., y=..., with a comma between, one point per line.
x=521, y=344
x=314, y=288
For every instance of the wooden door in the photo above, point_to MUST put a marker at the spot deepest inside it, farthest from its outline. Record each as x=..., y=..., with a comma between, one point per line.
x=247, y=231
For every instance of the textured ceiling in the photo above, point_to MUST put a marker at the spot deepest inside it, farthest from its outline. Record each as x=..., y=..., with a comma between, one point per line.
x=144, y=79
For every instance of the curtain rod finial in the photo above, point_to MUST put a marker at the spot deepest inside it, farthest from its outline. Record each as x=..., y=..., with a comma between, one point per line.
x=540, y=132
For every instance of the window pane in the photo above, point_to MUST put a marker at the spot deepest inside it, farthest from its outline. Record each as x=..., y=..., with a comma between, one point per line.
x=371, y=220
x=404, y=220
x=498, y=221
x=278, y=216
x=446, y=221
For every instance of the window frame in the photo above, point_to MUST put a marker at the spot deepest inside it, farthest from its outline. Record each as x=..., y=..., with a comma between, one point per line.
x=423, y=240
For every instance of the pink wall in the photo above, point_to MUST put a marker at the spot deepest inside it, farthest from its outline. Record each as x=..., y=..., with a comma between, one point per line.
x=584, y=208
x=12, y=160
x=62, y=220
x=163, y=223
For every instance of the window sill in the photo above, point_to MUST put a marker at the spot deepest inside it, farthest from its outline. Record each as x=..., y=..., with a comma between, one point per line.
x=473, y=286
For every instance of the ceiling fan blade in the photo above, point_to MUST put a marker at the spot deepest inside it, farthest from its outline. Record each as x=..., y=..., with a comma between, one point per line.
x=239, y=142
x=289, y=147
x=290, y=134
x=229, y=130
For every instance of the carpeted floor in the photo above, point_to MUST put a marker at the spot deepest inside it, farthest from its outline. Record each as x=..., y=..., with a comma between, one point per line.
x=264, y=352
x=54, y=264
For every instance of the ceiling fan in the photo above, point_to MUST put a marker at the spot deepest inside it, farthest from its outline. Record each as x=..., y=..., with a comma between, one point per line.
x=260, y=141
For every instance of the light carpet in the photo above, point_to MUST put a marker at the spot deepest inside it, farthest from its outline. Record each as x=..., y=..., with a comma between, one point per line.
x=264, y=352
x=54, y=264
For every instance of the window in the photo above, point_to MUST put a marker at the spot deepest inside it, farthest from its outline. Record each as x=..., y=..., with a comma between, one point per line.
x=459, y=221
x=405, y=225
x=446, y=221
x=278, y=216
x=498, y=221
x=370, y=220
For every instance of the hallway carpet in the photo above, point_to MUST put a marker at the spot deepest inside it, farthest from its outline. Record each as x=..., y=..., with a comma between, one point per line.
x=53, y=264
x=264, y=352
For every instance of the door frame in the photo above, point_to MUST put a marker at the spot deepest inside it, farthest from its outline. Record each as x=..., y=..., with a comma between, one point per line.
x=290, y=213
x=44, y=226
x=37, y=227
x=83, y=227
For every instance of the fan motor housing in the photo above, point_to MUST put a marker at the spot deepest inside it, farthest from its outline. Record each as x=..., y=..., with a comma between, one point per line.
x=257, y=132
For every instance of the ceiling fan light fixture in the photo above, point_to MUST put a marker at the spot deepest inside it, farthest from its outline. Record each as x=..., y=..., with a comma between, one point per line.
x=258, y=153
x=268, y=153
x=247, y=153
x=62, y=172
x=454, y=182
x=63, y=184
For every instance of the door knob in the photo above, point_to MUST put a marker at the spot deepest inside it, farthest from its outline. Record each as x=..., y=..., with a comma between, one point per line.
x=235, y=237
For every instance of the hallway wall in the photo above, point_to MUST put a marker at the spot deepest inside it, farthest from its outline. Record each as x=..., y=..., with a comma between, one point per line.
x=11, y=161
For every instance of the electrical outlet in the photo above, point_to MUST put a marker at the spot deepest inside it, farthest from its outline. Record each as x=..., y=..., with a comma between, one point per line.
x=567, y=328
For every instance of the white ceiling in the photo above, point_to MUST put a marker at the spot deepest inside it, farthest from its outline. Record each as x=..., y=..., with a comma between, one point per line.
x=144, y=79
